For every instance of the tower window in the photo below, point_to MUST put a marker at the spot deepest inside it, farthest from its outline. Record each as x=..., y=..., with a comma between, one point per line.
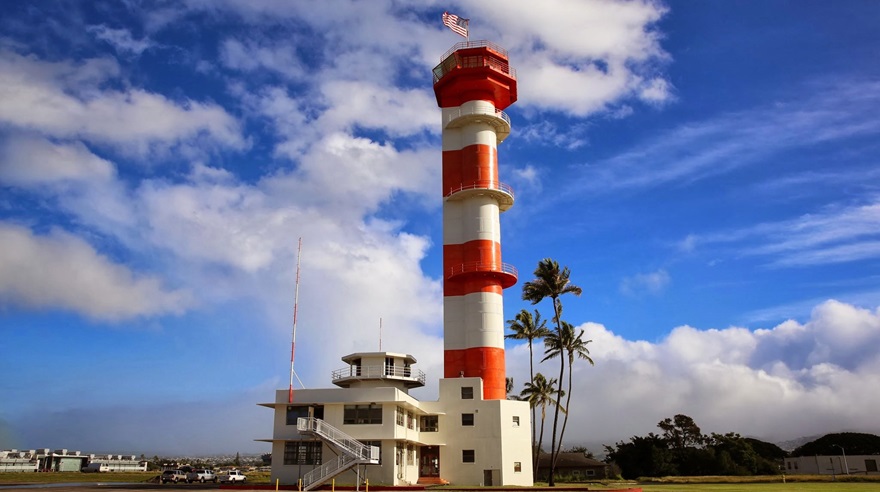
x=516, y=420
x=517, y=466
x=467, y=419
x=467, y=393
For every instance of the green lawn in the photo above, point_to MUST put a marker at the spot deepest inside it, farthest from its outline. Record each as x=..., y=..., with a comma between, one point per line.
x=766, y=487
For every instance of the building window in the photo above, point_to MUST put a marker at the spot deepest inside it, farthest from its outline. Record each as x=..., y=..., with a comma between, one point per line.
x=362, y=414
x=399, y=415
x=467, y=456
x=410, y=454
x=302, y=453
x=591, y=473
x=517, y=466
x=429, y=423
x=467, y=419
x=467, y=392
x=296, y=411
x=516, y=420
x=410, y=420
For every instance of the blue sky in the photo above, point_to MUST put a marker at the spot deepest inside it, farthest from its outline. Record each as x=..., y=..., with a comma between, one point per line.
x=708, y=171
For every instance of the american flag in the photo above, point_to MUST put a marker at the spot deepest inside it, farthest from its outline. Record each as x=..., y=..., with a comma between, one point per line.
x=456, y=23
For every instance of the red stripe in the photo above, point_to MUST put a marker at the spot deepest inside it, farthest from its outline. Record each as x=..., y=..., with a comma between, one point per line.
x=486, y=363
x=473, y=166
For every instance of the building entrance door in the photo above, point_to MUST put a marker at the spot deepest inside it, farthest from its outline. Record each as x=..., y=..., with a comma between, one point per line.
x=429, y=463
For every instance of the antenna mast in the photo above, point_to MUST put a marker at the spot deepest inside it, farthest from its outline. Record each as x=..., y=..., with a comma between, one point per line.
x=295, y=306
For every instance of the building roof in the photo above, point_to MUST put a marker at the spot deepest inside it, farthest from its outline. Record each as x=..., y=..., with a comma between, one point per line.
x=570, y=460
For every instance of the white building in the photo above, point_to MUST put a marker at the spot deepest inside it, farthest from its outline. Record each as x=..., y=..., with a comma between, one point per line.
x=33, y=460
x=472, y=435
x=832, y=465
x=460, y=438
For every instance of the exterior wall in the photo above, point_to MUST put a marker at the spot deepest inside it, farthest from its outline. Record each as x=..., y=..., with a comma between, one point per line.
x=497, y=443
x=832, y=465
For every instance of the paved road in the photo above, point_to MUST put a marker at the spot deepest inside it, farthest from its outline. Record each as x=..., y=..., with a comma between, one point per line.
x=108, y=487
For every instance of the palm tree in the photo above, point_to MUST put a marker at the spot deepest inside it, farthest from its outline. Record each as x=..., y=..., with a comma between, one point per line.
x=527, y=327
x=571, y=345
x=540, y=392
x=551, y=281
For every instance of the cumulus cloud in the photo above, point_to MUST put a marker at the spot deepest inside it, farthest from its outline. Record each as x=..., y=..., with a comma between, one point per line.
x=27, y=161
x=68, y=99
x=597, y=54
x=778, y=383
x=59, y=270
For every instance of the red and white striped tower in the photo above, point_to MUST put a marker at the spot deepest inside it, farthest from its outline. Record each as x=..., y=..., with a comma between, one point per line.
x=473, y=84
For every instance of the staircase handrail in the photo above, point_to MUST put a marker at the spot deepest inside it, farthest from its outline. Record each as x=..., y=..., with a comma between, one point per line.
x=358, y=449
x=329, y=469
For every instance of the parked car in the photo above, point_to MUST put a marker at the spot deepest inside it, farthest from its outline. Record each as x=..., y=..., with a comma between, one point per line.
x=233, y=476
x=172, y=476
x=201, y=475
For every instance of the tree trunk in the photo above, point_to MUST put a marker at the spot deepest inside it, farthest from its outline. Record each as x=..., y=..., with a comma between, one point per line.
x=551, y=482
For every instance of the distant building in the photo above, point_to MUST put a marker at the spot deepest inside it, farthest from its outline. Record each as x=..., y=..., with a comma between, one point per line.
x=573, y=466
x=61, y=460
x=832, y=465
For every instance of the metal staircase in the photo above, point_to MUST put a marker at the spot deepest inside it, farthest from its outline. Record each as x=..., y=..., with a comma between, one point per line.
x=353, y=452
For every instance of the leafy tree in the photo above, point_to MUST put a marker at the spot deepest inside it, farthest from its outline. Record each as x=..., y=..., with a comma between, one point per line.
x=681, y=431
x=551, y=281
x=581, y=449
x=566, y=343
x=733, y=454
x=531, y=328
x=770, y=456
x=539, y=393
x=647, y=456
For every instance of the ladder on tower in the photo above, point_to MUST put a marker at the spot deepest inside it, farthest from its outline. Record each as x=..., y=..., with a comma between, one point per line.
x=352, y=451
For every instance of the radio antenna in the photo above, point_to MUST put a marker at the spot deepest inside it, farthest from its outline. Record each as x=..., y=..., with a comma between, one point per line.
x=293, y=335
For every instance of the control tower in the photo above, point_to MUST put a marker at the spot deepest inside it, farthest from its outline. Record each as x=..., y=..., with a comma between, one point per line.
x=474, y=84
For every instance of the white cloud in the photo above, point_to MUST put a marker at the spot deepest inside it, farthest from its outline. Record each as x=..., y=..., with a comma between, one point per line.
x=67, y=100
x=645, y=283
x=59, y=270
x=26, y=160
x=792, y=380
x=121, y=39
x=591, y=59
x=253, y=55
x=837, y=234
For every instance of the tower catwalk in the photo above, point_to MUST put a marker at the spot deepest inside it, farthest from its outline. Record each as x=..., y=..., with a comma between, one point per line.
x=473, y=84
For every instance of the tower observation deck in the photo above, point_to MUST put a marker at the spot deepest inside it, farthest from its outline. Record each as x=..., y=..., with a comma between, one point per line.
x=473, y=84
